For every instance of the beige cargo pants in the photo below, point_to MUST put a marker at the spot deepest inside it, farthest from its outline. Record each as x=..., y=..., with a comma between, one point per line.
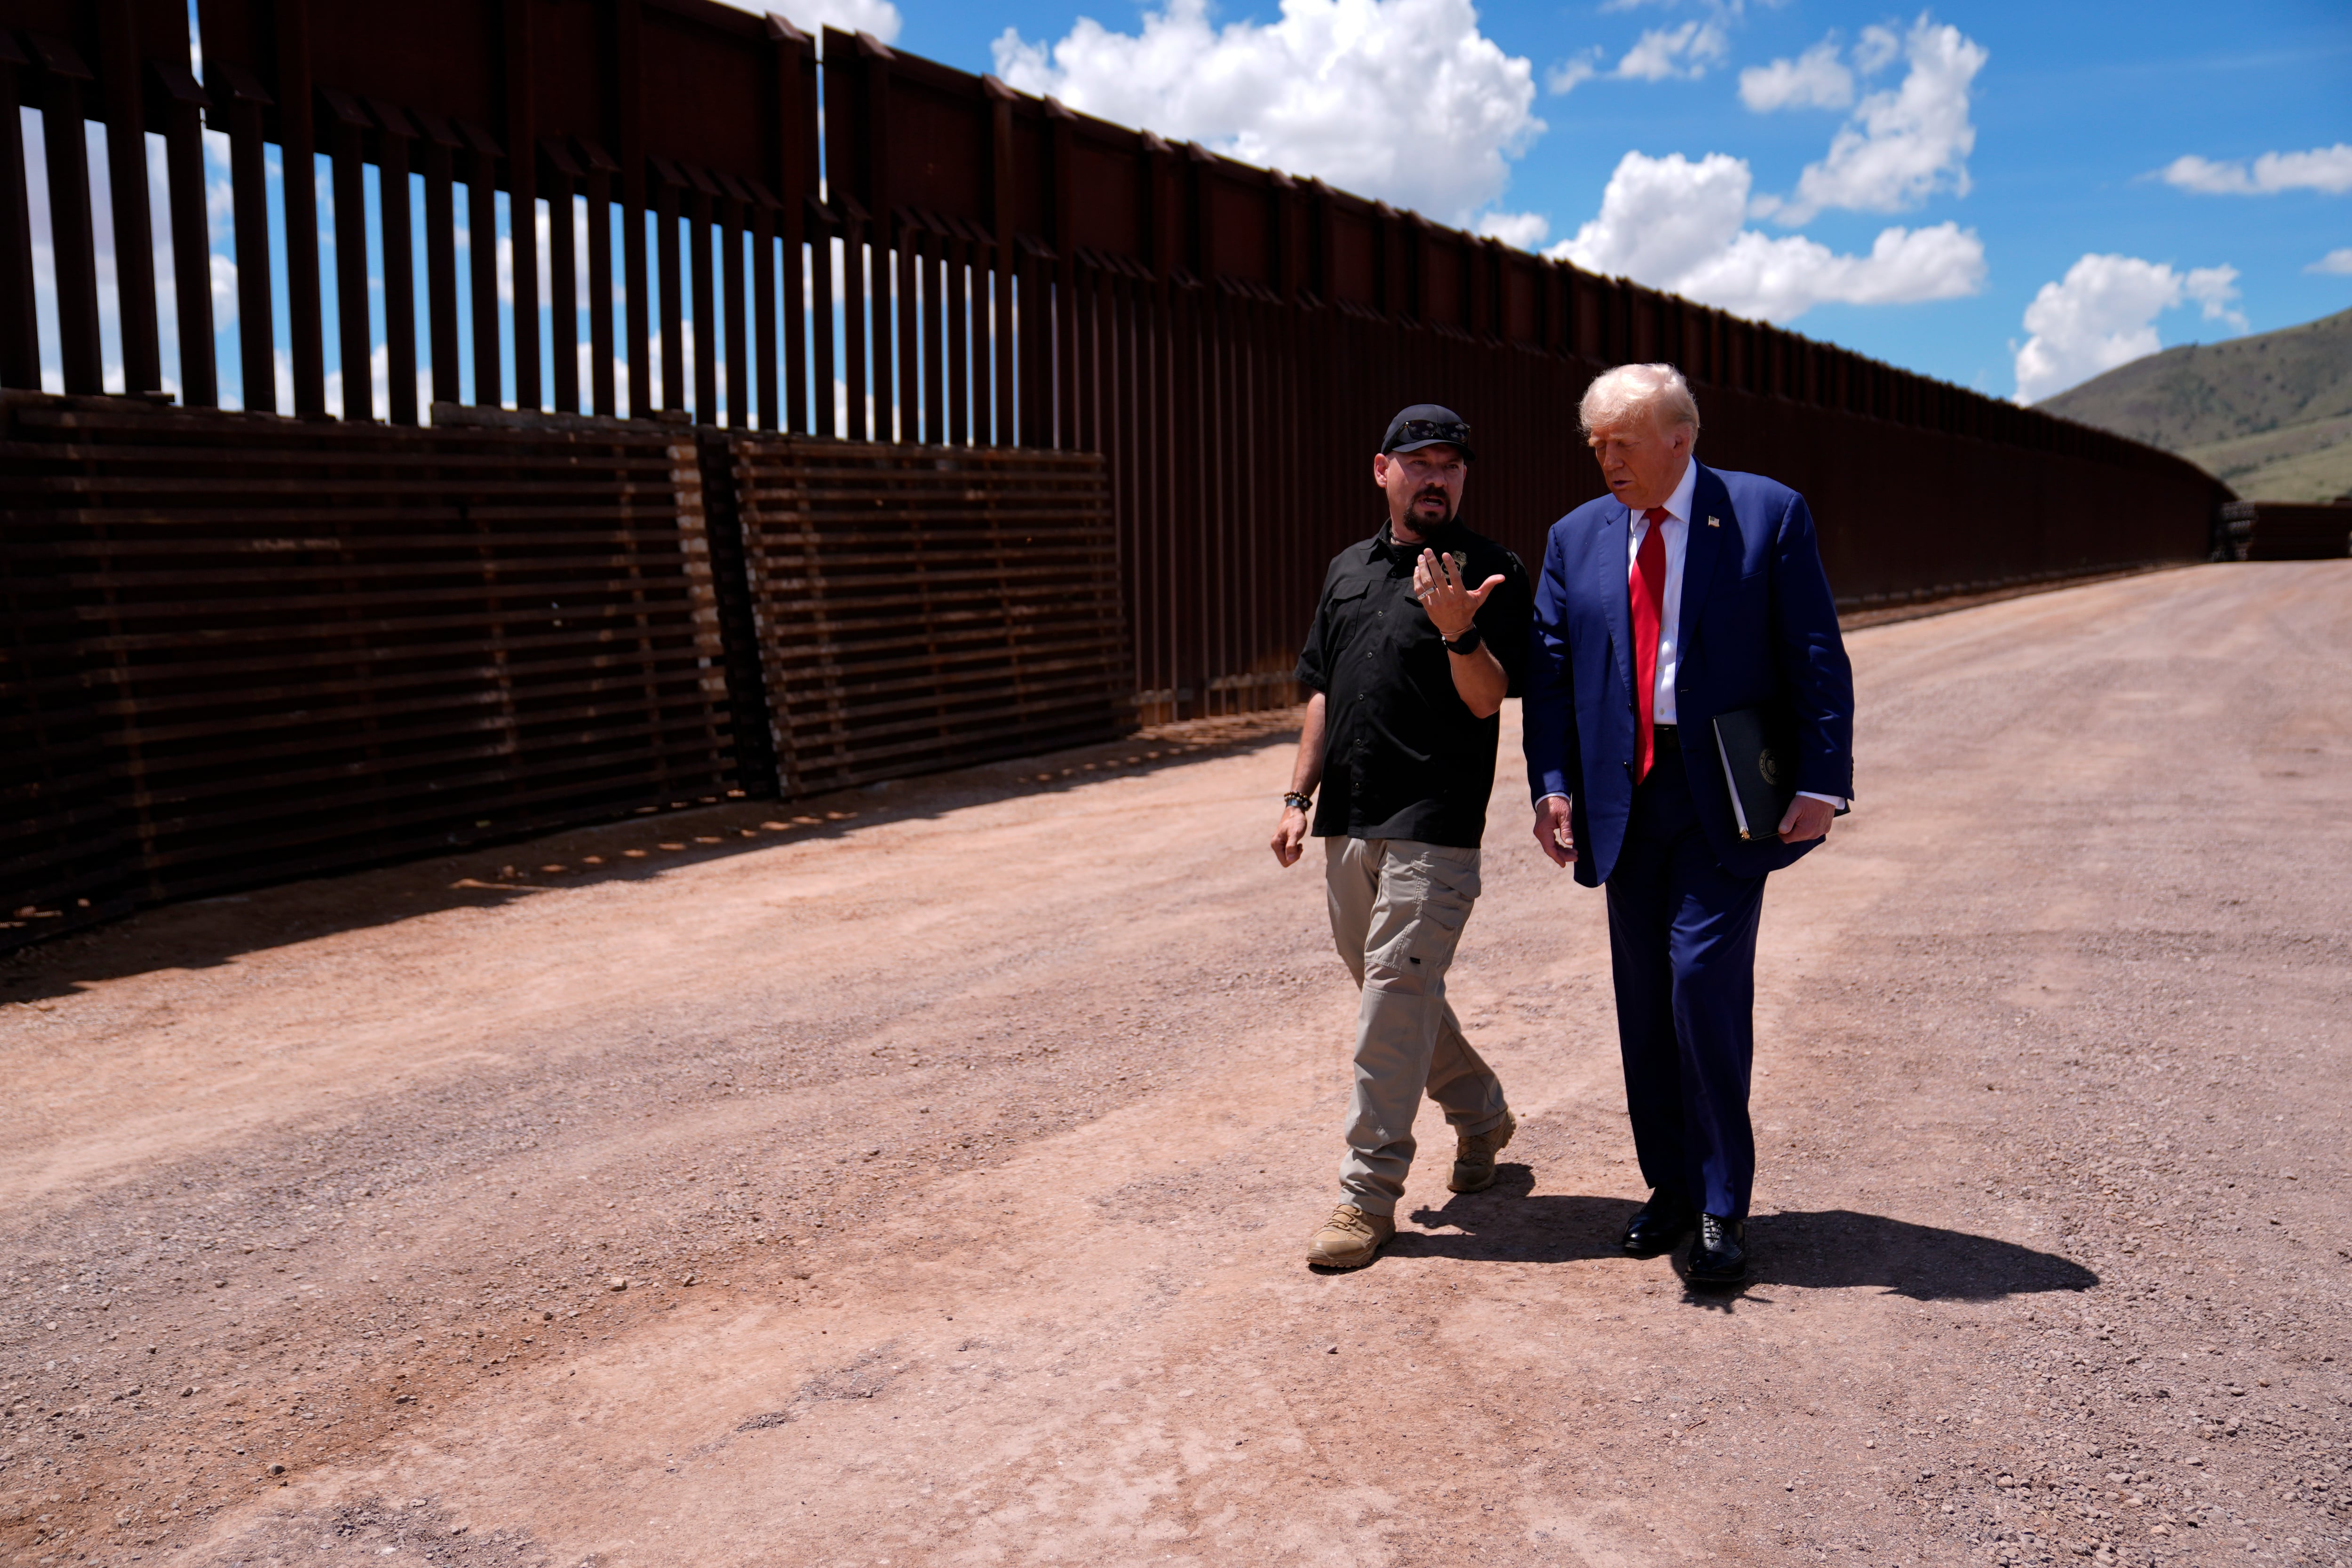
x=1396, y=910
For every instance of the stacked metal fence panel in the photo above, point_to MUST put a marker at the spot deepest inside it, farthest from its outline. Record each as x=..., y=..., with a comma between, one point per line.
x=921, y=608
x=297, y=646
x=2283, y=531
x=63, y=858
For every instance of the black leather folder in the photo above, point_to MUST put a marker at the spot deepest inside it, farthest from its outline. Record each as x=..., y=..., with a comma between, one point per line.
x=1757, y=747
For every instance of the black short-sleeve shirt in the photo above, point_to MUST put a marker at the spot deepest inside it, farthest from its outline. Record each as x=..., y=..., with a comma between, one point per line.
x=1403, y=757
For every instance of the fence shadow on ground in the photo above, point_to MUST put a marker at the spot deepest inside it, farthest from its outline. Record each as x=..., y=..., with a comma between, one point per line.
x=1825, y=1250
x=216, y=931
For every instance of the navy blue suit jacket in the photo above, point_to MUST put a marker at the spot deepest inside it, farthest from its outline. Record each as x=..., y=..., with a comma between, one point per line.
x=1756, y=626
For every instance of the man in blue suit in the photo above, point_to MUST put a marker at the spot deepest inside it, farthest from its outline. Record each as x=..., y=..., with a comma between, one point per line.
x=1685, y=594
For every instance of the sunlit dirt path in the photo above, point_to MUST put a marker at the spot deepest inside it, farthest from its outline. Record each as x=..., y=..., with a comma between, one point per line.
x=920, y=1177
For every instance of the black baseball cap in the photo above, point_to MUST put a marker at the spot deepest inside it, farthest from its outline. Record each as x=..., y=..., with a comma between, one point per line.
x=1428, y=425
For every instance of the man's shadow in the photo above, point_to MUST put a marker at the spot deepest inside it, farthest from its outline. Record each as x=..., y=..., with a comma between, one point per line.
x=1823, y=1249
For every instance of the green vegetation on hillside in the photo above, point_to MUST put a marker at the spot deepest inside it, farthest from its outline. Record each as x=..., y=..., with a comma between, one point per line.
x=2270, y=416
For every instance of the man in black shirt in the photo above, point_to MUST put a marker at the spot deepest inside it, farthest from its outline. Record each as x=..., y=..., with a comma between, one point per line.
x=1409, y=666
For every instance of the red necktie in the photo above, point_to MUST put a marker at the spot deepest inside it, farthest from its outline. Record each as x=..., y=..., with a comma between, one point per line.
x=1648, y=588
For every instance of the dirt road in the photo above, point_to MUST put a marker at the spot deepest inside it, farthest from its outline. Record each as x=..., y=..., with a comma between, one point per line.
x=921, y=1178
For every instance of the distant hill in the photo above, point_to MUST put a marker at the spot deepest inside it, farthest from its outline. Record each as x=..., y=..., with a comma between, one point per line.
x=2270, y=416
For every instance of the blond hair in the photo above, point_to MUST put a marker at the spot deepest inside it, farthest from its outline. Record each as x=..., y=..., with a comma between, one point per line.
x=1634, y=391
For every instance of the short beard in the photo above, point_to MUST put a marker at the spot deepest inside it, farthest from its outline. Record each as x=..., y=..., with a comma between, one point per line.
x=1445, y=497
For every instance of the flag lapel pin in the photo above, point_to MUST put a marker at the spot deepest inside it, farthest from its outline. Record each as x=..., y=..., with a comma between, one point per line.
x=1713, y=523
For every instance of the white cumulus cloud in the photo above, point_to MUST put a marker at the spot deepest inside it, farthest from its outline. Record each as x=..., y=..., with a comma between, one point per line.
x=1814, y=79
x=2102, y=314
x=1525, y=230
x=2338, y=262
x=1905, y=143
x=1676, y=225
x=1570, y=73
x=1686, y=51
x=2326, y=169
x=1404, y=100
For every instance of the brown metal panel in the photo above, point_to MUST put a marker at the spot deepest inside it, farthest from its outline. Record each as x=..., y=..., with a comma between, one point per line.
x=891, y=302
x=793, y=63
x=769, y=415
x=126, y=168
x=627, y=55
x=1002, y=262
x=437, y=147
x=1291, y=245
x=1522, y=282
x=394, y=135
x=1237, y=239
x=440, y=57
x=244, y=100
x=669, y=192
x=929, y=611
x=598, y=169
x=844, y=151
x=906, y=326
x=304, y=324
x=857, y=258
x=701, y=219
x=729, y=214
x=326, y=645
x=938, y=147
x=1480, y=310
x=560, y=176
x=481, y=157
x=1110, y=213
x=933, y=260
x=1187, y=676
x=72, y=244
x=1035, y=344
x=20, y=336
x=522, y=186
x=346, y=128
x=966, y=326
x=823, y=361
x=1062, y=181
x=751, y=314
x=705, y=71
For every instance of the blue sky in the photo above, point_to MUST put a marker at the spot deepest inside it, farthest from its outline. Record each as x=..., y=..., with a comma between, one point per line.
x=2068, y=113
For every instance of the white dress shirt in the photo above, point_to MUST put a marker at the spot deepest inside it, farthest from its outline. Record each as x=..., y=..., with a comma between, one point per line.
x=1677, y=535
x=1670, y=612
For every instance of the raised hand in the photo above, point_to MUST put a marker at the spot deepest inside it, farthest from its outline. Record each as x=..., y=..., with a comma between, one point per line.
x=1451, y=608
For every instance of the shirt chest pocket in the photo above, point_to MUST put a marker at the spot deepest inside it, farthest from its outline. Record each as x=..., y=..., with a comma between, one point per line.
x=1350, y=616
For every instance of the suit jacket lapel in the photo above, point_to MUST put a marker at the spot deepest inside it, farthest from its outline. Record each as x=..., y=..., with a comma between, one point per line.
x=1615, y=587
x=1704, y=551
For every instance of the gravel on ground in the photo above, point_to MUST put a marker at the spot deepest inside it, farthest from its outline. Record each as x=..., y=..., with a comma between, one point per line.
x=921, y=1175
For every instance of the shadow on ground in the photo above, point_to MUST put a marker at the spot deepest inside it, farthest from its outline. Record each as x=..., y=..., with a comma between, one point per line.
x=209, y=932
x=1828, y=1250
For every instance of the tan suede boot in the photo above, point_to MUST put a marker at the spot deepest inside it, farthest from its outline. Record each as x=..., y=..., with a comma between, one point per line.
x=1348, y=1238
x=1473, y=1158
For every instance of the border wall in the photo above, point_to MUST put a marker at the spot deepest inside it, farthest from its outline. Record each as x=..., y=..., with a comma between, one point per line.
x=750, y=310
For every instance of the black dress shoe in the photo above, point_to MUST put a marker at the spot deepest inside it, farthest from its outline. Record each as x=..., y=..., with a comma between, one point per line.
x=1665, y=1220
x=1719, y=1257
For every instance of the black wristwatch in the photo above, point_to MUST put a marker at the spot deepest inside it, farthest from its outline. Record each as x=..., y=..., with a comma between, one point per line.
x=1467, y=643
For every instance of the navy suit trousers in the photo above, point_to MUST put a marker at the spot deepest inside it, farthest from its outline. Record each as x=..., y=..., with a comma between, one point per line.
x=1682, y=941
